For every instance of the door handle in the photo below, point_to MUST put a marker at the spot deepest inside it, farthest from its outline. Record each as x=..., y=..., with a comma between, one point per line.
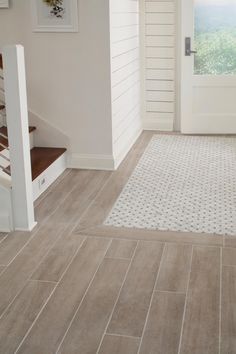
x=188, y=50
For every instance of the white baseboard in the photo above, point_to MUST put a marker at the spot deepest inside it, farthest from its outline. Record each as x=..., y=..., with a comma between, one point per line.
x=29, y=229
x=102, y=162
x=158, y=124
x=91, y=162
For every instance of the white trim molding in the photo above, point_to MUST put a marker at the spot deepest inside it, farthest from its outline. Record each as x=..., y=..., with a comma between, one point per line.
x=102, y=162
x=120, y=156
x=91, y=161
x=4, y=4
x=45, y=179
x=160, y=124
x=44, y=18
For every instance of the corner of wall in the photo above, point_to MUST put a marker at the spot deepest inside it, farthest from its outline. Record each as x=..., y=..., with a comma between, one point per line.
x=120, y=155
x=47, y=135
x=160, y=124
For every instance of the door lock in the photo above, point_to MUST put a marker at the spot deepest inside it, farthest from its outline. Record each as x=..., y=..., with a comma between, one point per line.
x=188, y=50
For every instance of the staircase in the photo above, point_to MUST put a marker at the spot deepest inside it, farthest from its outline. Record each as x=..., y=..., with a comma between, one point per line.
x=43, y=165
x=47, y=164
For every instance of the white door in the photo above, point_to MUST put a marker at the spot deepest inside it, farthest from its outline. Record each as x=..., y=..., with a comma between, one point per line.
x=208, y=78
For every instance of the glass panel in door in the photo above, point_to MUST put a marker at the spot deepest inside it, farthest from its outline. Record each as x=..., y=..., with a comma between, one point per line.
x=215, y=37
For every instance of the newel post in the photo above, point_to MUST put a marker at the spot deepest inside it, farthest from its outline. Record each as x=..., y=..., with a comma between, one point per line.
x=18, y=135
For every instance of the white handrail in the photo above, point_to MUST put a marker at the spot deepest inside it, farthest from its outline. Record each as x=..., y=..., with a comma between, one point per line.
x=18, y=137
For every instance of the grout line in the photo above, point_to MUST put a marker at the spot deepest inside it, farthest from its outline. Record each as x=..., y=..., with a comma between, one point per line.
x=43, y=281
x=34, y=234
x=50, y=296
x=90, y=204
x=120, y=258
x=133, y=151
x=117, y=299
x=224, y=265
x=170, y=292
x=67, y=229
x=104, y=228
x=90, y=283
x=121, y=335
x=4, y=238
x=86, y=231
x=52, y=187
x=34, y=269
x=220, y=300
x=41, y=224
x=151, y=300
x=50, y=249
x=224, y=237
x=62, y=200
x=185, y=305
x=40, y=262
x=76, y=186
x=124, y=239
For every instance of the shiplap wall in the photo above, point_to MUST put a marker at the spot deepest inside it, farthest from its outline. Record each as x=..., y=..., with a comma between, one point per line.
x=125, y=75
x=160, y=31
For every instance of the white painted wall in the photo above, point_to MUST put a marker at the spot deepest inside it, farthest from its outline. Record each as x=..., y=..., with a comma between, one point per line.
x=160, y=56
x=84, y=88
x=68, y=79
x=125, y=75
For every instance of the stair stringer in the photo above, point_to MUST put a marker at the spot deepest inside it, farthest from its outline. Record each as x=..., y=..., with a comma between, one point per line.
x=46, y=134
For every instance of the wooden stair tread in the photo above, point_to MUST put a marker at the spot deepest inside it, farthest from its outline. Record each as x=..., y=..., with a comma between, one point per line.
x=41, y=159
x=4, y=141
x=3, y=130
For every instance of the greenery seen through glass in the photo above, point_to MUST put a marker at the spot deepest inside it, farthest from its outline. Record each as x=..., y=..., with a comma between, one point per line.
x=215, y=37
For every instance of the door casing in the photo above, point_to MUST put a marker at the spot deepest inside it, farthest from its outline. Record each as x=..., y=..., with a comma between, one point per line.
x=205, y=104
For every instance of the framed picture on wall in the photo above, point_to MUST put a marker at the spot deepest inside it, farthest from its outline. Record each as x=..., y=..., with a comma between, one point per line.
x=4, y=3
x=55, y=15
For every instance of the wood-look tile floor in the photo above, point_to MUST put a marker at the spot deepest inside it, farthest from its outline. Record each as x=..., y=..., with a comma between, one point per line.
x=75, y=286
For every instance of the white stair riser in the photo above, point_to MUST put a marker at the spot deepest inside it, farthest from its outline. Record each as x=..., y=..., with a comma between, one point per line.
x=31, y=136
x=31, y=140
x=49, y=175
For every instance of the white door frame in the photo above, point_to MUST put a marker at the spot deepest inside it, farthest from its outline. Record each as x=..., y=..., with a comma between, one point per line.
x=222, y=122
x=186, y=63
x=180, y=48
x=178, y=17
